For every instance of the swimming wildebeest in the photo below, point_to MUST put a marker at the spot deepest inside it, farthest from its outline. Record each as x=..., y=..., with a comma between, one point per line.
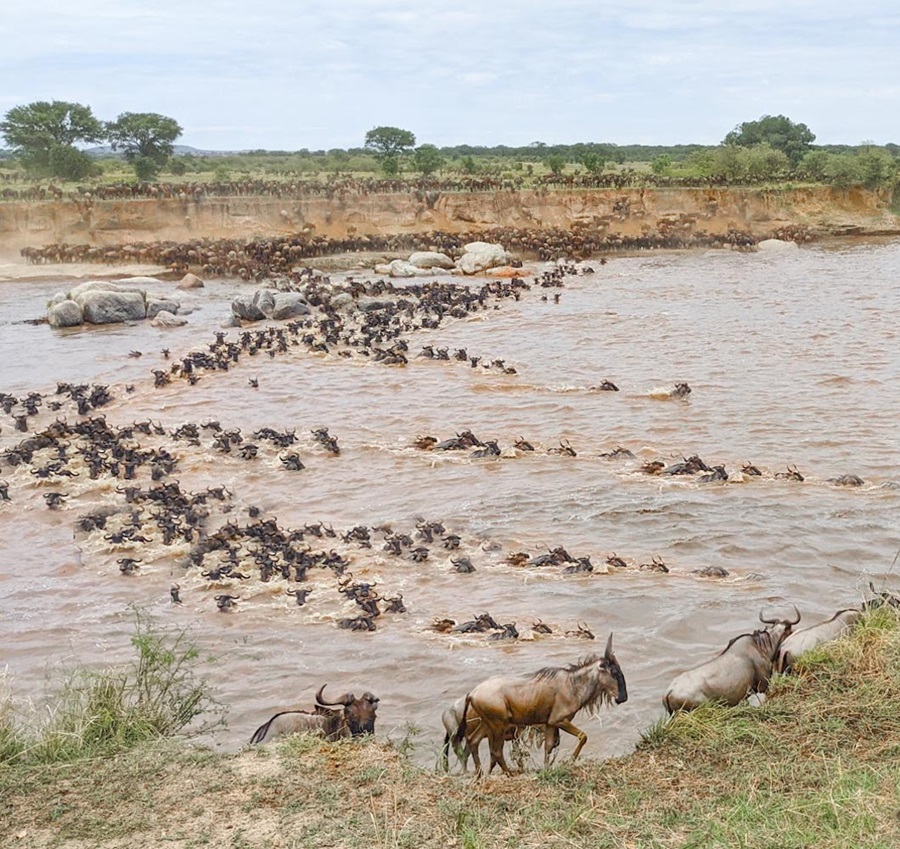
x=551, y=696
x=744, y=666
x=806, y=639
x=356, y=718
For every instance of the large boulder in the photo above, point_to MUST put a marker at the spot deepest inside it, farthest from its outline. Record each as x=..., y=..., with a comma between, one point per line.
x=430, y=259
x=401, y=268
x=244, y=307
x=190, y=281
x=289, y=305
x=65, y=314
x=139, y=281
x=256, y=307
x=155, y=307
x=479, y=256
x=264, y=299
x=776, y=245
x=104, y=286
x=167, y=319
x=343, y=302
x=105, y=307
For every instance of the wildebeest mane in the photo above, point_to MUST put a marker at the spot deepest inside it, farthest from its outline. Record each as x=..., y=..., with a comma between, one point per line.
x=549, y=672
x=754, y=636
x=591, y=692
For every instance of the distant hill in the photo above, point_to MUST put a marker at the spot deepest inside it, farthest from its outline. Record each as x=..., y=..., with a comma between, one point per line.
x=104, y=151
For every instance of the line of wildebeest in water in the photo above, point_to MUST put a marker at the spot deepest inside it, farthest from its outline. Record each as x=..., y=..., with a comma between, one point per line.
x=96, y=449
x=533, y=709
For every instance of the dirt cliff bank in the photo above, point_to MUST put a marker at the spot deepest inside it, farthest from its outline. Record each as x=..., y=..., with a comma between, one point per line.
x=620, y=211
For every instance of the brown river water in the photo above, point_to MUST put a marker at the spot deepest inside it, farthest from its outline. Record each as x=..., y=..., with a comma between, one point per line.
x=793, y=358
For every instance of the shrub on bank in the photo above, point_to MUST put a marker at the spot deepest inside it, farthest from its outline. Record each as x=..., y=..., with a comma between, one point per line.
x=100, y=712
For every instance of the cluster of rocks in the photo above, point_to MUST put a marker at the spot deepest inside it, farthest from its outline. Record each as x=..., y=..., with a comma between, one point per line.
x=265, y=303
x=106, y=302
x=476, y=258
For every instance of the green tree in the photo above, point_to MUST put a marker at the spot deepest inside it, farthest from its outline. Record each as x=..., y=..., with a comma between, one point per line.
x=388, y=144
x=842, y=170
x=813, y=165
x=778, y=131
x=43, y=135
x=147, y=138
x=763, y=163
x=661, y=165
x=468, y=165
x=390, y=166
x=427, y=159
x=389, y=141
x=556, y=162
x=877, y=167
x=592, y=162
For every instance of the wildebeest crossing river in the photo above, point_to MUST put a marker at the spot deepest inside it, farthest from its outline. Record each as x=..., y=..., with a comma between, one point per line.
x=792, y=359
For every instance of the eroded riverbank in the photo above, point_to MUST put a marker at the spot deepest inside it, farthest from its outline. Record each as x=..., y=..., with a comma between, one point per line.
x=615, y=212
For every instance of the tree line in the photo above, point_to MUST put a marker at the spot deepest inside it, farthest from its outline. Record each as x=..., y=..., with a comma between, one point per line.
x=43, y=135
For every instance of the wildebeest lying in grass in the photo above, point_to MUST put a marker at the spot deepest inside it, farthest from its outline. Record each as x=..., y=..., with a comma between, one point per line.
x=356, y=719
x=743, y=667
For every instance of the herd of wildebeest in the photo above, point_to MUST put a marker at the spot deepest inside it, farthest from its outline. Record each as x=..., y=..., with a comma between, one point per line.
x=298, y=186
x=504, y=709
x=369, y=319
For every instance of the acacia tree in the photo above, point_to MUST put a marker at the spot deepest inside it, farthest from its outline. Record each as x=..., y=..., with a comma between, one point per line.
x=147, y=139
x=43, y=135
x=779, y=132
x=388, y=143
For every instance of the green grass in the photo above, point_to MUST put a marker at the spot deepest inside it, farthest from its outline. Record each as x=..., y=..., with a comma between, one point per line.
x=100, y=712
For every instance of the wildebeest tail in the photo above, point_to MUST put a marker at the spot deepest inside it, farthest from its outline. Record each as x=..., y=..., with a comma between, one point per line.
x=667, y=704
x=445, y=753
x=262, y=732
x=461, y=731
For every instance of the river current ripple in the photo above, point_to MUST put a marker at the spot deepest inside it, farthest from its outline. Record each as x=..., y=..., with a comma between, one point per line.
x=793, y=358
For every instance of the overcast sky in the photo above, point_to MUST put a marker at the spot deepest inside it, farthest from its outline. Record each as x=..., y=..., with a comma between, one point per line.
x=317, y=74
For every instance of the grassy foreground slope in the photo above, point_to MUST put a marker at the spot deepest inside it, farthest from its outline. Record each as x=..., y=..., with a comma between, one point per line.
x=817, y=766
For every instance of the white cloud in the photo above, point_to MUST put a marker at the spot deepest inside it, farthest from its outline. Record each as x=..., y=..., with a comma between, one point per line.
x=319, y=73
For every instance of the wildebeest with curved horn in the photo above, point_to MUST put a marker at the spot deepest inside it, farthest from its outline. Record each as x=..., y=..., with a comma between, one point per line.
x=356, y=719
x=743, y=667
x=806, y=639
x=551, y=696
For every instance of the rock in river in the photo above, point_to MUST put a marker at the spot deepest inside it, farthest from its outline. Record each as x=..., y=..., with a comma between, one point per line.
x=65, y=314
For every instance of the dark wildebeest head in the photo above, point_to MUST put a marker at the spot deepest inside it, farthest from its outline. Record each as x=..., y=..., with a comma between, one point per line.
x=359, y=714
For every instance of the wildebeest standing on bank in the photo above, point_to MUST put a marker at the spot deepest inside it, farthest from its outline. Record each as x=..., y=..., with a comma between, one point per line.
x=475, y=733
x=551, y=697
x=743, y=667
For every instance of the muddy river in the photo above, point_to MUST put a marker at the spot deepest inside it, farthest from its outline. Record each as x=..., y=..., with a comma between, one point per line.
x=793, y=358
